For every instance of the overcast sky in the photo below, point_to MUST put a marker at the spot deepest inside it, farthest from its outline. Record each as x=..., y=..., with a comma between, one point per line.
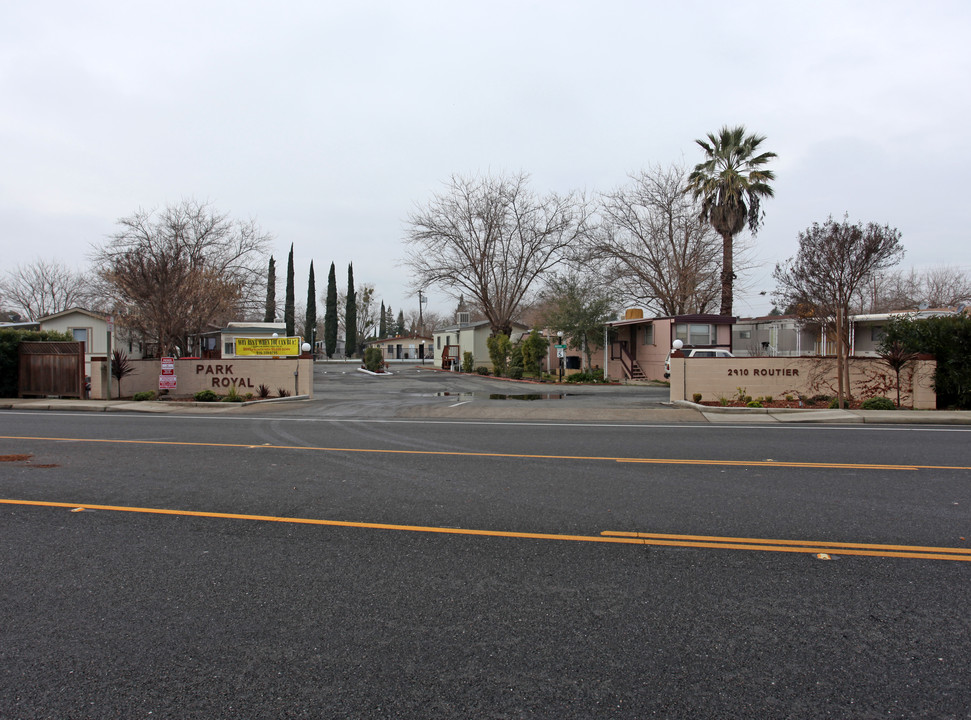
x=327, y=122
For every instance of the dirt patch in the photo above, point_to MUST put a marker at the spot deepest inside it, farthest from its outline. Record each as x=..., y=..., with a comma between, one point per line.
x=15, y=458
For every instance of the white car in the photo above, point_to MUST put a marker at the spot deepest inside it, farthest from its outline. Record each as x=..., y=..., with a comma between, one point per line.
x=697, y=353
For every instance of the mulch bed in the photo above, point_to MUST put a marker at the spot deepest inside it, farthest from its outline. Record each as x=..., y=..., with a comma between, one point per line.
x=782, y=404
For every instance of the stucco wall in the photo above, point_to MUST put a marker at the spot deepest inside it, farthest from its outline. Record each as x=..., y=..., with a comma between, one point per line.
x=246, y=374
x=718, y=378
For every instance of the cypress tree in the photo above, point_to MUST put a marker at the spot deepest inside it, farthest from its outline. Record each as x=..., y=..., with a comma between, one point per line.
x=350, y=317
x=288, y=309
x=383, y=323
x=401, y=323
x=330, y=314
x=310, y=326
x=270, y=314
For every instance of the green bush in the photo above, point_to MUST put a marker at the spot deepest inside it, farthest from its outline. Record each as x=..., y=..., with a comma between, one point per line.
x=878, y=403
x=534, y=349
x=206, y=396
x=482, y=370
x=587, y=376
x=754, y=404
x=948, y=339
x=499, y=348
x=835, y=403
x=516, y=356
x=696, y=397
x=233, y=396
x=467, y=362
x=373, y=359
x=147, y=395
x=515, y=372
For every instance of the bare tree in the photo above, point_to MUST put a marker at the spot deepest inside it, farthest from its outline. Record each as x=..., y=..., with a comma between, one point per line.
x=45, y=287
x=491, y=238
x=833, y=262
x=651, y=247
x=423, y=323
x=943, y=286
x=178, y=269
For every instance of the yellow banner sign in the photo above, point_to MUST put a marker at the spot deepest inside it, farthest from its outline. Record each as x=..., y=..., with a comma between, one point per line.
x=268, y=346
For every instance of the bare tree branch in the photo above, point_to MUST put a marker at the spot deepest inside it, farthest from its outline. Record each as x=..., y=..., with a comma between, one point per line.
x=177, y=270
x=833, y=262
x=490, y=238
x=45, y=287
x=651, y=248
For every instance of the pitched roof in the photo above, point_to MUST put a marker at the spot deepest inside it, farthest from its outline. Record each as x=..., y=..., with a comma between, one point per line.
x=476, y=324
x=73, y=310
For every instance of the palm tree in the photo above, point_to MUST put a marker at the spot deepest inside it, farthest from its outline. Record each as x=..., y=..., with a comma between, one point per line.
x=731, y=183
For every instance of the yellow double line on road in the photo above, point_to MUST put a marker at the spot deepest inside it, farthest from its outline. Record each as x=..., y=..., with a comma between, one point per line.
x=521, y=456
x=612, y=537
x=799, y=546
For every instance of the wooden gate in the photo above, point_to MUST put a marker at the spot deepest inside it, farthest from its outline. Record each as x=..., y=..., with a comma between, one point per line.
x=52, y=368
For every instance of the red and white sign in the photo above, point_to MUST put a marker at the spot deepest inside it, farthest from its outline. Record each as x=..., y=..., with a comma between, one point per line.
x=166, y=382
x=168, y=366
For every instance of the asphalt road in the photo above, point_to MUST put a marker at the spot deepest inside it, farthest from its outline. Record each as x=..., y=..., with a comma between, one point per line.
x=456, y=568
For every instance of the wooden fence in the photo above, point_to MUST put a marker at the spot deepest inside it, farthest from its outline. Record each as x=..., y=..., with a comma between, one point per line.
x=52, y=368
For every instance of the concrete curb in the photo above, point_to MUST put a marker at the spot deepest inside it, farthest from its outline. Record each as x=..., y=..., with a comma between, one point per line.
x=690, y=412
x=145, y=406
x=803, y=415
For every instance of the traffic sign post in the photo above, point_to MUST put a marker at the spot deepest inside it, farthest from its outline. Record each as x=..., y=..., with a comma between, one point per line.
x=560, y=354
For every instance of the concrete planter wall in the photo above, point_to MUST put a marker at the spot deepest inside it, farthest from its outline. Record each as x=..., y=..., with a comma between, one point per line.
x=245, y=374
x=718, y=378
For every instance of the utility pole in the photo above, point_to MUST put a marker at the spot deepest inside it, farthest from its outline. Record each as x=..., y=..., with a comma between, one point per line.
x=421, y=317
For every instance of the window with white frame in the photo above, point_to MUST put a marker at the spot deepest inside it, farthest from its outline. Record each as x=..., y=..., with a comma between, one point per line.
x=695, y=333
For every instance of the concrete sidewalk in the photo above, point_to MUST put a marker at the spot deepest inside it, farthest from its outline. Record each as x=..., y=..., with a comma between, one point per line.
x=679, y=411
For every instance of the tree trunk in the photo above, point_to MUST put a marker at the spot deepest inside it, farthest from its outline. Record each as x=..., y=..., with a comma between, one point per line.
x=839, y=357
x=728, y=275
